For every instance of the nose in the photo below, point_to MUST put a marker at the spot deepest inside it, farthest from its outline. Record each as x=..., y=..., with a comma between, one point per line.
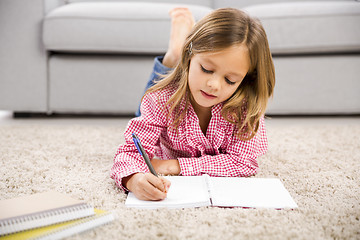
x=214, y=82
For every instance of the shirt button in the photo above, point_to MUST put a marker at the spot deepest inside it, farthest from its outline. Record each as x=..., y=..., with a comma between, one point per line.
x=191, y=169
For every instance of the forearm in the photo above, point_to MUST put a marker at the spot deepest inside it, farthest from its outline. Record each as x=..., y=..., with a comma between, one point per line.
x=166, y=167
x=226, y=165
x=124, y=166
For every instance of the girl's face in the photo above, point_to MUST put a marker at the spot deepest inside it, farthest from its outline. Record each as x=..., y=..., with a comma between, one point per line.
x=215, y=76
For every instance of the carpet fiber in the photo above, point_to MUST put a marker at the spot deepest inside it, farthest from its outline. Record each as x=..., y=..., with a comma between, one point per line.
x=320, y=167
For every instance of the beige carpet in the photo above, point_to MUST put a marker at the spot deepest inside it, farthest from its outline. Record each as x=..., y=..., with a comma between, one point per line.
x=320, y=166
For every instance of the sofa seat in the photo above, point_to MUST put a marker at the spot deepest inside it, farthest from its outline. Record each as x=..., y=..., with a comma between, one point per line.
x=111, y=27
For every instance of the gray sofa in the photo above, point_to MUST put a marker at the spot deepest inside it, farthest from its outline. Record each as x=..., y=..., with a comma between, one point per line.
x=77, y=56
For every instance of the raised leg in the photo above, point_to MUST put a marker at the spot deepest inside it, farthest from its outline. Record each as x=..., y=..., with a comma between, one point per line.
x=182, y=22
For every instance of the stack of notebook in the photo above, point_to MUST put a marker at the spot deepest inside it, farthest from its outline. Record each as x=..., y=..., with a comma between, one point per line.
x=49, y=215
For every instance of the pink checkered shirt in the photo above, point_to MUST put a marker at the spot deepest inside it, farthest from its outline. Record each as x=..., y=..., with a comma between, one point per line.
x=219, y=153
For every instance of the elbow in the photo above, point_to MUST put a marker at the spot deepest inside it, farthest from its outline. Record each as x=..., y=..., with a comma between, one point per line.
x=249, y=171
x=247, y=168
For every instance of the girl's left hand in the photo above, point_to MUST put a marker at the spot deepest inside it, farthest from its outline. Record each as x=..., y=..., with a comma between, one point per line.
x=166, y=167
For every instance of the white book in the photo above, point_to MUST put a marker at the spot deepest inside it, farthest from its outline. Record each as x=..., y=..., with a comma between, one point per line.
x=199, y=191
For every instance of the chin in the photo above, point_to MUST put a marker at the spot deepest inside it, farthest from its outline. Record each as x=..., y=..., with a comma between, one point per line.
x=206, y=104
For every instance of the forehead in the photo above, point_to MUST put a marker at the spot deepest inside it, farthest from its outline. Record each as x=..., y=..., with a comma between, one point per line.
x=234, y=59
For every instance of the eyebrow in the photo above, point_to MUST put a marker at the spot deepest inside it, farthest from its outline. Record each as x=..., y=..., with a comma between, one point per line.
x=231, y=73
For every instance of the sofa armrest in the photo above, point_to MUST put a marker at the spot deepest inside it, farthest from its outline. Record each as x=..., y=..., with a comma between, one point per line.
x=23, y=59
x=52, y=4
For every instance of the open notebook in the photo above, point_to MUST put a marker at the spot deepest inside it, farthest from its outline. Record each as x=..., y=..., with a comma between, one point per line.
x=199, y=191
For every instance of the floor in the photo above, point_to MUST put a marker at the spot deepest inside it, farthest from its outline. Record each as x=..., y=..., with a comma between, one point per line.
x=6, y=119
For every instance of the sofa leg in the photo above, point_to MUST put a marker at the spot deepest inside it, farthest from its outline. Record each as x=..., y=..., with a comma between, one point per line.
x=21, y=114
x=29, y=114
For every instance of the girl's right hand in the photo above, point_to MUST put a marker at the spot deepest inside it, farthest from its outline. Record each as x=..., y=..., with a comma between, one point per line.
x=146, y=186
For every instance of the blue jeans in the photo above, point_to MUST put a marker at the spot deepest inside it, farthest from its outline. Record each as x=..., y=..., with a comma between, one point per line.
x=158, y=68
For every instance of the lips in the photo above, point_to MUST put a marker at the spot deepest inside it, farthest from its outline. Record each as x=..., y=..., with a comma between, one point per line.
x=207, y=95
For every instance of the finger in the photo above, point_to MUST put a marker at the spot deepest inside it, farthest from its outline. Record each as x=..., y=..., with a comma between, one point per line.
x=155, y=181
x=144, y=195
x=146, y=191
x=166, y=183
x=152, y=193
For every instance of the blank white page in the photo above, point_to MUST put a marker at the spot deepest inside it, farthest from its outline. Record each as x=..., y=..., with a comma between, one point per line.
x=185, y=192
x=250, y=192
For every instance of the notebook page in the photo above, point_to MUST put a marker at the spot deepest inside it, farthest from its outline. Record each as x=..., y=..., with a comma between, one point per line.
x=185, y=192
x=250, y=192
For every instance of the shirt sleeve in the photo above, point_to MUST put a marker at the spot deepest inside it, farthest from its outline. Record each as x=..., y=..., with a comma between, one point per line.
x=239, y=160
x=148, y=128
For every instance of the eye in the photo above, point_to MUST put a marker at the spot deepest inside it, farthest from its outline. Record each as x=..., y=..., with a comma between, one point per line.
x=229, y=82
x=205, y=70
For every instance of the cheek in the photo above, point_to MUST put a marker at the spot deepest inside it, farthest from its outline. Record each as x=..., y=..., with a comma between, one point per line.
x=190, y=80
x=190, y=74
x=193, y=77
x=229, y=92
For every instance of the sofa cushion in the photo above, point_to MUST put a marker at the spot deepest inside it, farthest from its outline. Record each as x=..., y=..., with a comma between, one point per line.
x=120, y=27
x=310, y=27
x=208, y=3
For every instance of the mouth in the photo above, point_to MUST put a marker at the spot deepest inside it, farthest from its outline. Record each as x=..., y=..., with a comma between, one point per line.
x=207, y=95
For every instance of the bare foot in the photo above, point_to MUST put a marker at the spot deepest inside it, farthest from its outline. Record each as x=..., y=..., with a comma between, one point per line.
x=182, y=22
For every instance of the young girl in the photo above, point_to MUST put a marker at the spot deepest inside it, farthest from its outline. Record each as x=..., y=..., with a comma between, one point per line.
x=207, y=115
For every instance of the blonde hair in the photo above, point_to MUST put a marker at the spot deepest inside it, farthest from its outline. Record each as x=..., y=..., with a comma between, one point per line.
x=217, y=31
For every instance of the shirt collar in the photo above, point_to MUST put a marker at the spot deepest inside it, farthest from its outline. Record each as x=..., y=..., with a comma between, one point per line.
x=216, y=109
